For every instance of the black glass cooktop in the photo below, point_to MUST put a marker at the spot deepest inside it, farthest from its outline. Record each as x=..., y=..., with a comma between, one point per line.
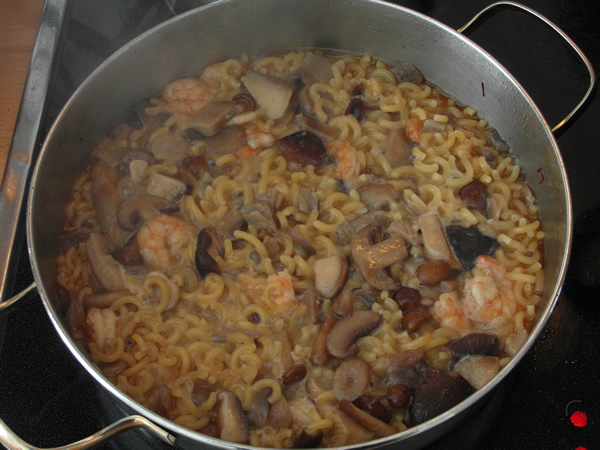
x=49, y=400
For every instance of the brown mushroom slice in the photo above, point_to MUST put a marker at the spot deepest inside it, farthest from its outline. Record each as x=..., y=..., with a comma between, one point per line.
x=168, y=148
x=371, y=259
x=401, y=368
x=308, y=439
x=315, y=69
x=347, y=230
x=436, y=245
x=468, y=244
x=331, y=274
x=228, y=140
x=398, y=148
x=109, y=272
x=213, y=117
x=231, y=221
x=231, y=418
x=106, y=198
x=140, y=208
x=303, y=148
x=370, y=423
x=378, y=196
x=342, y=338
x=474, y=344
x=351, y=379
x=324, y=131
x=406, y=72
x=270, y=92
x=319, y=354
x=439, y=391
x=73, y=238
x=166, y=187
x=477, y=370
x=342, y=305
x=307, y=200
x=261, y=216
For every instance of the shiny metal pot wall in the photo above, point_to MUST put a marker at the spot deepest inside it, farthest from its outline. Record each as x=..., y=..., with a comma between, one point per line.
x=230, y=28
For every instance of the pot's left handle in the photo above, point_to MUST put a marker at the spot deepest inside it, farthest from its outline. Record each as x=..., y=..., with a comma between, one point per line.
x=25, y=143
x=512, y=6
x=13, y=442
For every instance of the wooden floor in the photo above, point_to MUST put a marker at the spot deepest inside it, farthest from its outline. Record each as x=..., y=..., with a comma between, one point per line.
x=19, y=21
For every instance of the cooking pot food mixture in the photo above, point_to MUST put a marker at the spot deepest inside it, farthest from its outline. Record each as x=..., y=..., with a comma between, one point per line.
x=301, y=250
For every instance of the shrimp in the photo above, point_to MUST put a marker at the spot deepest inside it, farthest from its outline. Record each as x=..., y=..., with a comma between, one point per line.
x=279, y=293
x=489, y=298
x=414, y=129
x=448, y=312
x=102, y=324
x=163, y=241
x=346, y=160
x=260, y=139
x=187, y=95
x=213, y=77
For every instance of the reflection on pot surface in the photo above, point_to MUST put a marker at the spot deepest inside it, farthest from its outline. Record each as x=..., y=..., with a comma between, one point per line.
x=301, y=249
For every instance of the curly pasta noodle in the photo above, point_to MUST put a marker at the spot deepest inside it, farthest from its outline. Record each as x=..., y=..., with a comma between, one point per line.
x=239, y=307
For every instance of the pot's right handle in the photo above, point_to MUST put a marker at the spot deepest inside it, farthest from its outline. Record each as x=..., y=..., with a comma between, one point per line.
x=511, y=6
x=13, y=442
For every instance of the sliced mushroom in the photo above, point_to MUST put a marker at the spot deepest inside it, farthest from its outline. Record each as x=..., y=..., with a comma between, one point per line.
x=261, y=216
x=303, y=148
x=228, y=140
x=232, y=220
x=342, y=338
x=401, y=368
x=342, y=305
x=474, y=344
x=324, y=131
x=166, y=187
x=406, y=72
x=372, y=424
x=73, y=238
x=431, y=273
x=308, y=438
x=478, y=370
x=205, y=263
x=373, y=406
x=307, y=200
x=129, y=255
x=433, y=126
x=108, y=271
x=134, y=210
x=109, y=155
x=299, y=240
x=315, y=69
x=168, y=148
x=378, y=196
x=106, y=198
x=213, y=117
x=294, y=374
x=398, y=148
x=439, y=391
x=351, y=379
x=331, y=274
x=270, y=92
x=468, y=244
x=231, y=418
x=371, y=259
x=102, y=301
x=436, y=245
x=348, y=230
x=319, y=354
x=345, y=431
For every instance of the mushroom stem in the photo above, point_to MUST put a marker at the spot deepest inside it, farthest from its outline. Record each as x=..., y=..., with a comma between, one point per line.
x=372, y=424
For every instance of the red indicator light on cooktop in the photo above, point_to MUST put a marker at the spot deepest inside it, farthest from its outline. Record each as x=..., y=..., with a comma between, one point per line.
x=579, y=419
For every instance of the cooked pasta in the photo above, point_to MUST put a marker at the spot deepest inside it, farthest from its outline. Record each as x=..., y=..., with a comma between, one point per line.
x=295, y=241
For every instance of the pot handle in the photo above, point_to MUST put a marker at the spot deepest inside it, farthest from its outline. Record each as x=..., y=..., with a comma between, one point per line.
x=512, y=6
x=9, y=439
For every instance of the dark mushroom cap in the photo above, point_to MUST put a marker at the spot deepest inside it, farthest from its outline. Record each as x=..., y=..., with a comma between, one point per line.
x=342, y=338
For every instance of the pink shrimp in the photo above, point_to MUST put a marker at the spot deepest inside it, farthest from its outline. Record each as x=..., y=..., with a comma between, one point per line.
x=213, y=77
x=187, y=95
x=102, y=324
x=163, y=240
x=279, y=294
x=414, y=129
x=448, y=312
x=346, y=160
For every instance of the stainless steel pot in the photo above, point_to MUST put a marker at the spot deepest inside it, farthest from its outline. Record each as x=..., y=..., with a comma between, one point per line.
x=230, y=28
